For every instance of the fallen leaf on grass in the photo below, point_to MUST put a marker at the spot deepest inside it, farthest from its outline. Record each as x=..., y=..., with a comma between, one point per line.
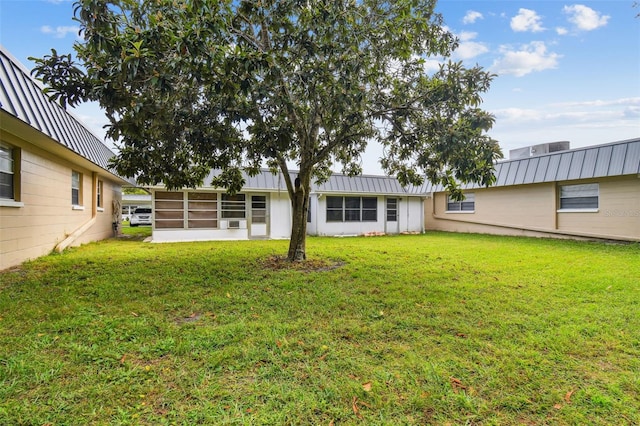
x=456, y=384
x=134, y=314
x=124, y=356
x=567, y=396
x=557, y=406
x=366, y=387
x=278, y=343
x=354, y=406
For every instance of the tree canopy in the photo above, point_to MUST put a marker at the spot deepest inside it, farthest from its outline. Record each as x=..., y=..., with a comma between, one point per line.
x=192, y=85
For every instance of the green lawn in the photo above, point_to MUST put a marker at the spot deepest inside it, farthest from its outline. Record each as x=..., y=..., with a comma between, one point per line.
x=418, y=329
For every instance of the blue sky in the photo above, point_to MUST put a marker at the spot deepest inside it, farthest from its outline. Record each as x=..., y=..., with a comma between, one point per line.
x=566, y=70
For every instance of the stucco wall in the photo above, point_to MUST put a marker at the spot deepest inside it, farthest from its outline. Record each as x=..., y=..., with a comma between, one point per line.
x=533, y=210
x=618, y=215
x=46, y=216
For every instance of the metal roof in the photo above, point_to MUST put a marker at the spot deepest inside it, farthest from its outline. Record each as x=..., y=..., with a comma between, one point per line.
x=22, y=97
x=365, y=184
x=337, y=183
x=613, y=159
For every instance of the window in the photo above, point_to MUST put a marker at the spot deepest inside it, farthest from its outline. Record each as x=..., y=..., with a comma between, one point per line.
x=352, y=209
x=169, y=207
x=233, y=206
x=334, y=209
x=99, y=190
x=7, y=172
x=203, y=210
x=392, y=209
x=369, y=209
x=76, y=188
x=579, y=197
x=468, y=204
x=258, y=209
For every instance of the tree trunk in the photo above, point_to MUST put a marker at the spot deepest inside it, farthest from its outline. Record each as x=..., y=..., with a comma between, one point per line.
x=300, y=205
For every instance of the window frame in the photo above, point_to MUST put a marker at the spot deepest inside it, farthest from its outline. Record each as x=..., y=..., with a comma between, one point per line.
x=233, y=205
x=168, y=210
x=76, y=192
x=464, y=206
x=334, y=209
x=202, y=210
x=392, y=209
x=572, y=198
x=351, y=209
x=100, y=195
x=8, y=166
x=258, y=208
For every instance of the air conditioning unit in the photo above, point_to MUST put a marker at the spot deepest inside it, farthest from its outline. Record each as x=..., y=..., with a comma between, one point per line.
x=233, y=224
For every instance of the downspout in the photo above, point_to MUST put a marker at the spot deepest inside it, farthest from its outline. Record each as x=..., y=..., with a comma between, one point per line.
x=85, y=226
x=408, y=207
x=423, y=227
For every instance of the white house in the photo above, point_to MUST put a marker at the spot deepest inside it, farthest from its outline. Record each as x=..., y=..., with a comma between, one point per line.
x=342, y=206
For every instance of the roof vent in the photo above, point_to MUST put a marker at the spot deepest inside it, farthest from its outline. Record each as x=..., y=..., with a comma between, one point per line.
x=541, y=149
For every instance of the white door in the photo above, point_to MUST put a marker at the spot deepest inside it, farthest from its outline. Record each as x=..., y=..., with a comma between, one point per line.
x=258, y=220
x=392, y=225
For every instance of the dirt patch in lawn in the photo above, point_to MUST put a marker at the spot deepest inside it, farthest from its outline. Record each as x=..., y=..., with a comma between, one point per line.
x=278, y=263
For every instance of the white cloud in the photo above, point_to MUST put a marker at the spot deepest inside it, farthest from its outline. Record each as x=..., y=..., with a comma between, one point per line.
x=561, y=31
x=60, y=31
x=529, y=58
x=584, y=18
x=527, y=20
x=467, y=35
x=468, y=48
x=632, y=112
x=471, y=17
x=432, y=65
x=600, y=103
x=586, y=123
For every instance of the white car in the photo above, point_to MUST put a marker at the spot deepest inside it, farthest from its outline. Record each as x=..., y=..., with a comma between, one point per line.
x=141, y=216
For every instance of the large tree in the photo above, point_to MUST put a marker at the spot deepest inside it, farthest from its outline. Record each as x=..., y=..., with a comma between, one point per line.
x=191, y=85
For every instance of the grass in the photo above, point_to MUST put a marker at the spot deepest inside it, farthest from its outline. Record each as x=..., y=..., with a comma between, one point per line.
x=418, y=329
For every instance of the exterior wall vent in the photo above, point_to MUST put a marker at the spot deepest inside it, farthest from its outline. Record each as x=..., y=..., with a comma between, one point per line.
x=234, y=224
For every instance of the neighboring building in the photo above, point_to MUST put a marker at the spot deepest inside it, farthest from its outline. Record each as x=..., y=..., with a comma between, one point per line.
x=341, y=206
x=130, y=202
x=56, y=189
x=591, y=192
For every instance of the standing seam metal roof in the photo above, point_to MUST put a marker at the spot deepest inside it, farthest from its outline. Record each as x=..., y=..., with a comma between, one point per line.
x=22, y=97
x=337, y=183
x=614, y=159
